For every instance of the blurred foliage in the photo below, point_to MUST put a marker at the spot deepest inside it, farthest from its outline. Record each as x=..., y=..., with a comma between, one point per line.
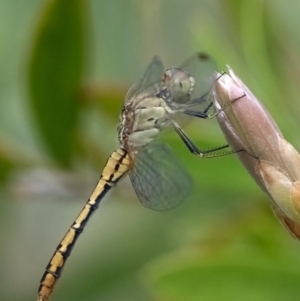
x=55, y=74
x=66, y=66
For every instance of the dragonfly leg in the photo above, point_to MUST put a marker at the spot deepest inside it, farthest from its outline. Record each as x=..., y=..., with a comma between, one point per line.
x=194, y=149
x=205, y=115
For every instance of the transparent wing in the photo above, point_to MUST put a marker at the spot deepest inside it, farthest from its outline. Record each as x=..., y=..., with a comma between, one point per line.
x=202, y=67
x=190, y=86
x=158, y=178
x=152, y=76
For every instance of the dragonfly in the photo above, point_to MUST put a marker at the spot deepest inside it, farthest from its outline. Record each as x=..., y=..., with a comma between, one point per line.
x=158, y=178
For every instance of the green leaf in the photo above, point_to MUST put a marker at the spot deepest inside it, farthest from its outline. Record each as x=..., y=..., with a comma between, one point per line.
x=108, y=99
x=55, y=73
x=6, y=167
x=240, y=278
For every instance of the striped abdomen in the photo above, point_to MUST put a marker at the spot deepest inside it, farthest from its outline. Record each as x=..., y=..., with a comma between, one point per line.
x=116, y=167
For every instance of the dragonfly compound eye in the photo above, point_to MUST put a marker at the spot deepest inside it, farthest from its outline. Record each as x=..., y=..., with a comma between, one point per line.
x=179, y=82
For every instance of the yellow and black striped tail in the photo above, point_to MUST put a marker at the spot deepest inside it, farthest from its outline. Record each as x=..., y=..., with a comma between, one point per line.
x=116, y=167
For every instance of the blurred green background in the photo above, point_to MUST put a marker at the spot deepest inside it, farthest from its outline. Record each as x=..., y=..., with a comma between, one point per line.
x=65, y=69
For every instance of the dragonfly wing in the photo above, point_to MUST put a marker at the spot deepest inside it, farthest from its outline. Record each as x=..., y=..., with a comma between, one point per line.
x=201, y=67
x=158, y=178
x=153, y=75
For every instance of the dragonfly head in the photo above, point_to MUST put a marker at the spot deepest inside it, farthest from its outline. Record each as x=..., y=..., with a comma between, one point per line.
x=180, y=82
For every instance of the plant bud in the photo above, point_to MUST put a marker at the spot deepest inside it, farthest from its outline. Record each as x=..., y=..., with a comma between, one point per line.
x=268, y=157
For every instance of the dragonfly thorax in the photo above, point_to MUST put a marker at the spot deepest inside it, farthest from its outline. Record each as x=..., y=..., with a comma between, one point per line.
x=142, y=120
x=179, y=82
